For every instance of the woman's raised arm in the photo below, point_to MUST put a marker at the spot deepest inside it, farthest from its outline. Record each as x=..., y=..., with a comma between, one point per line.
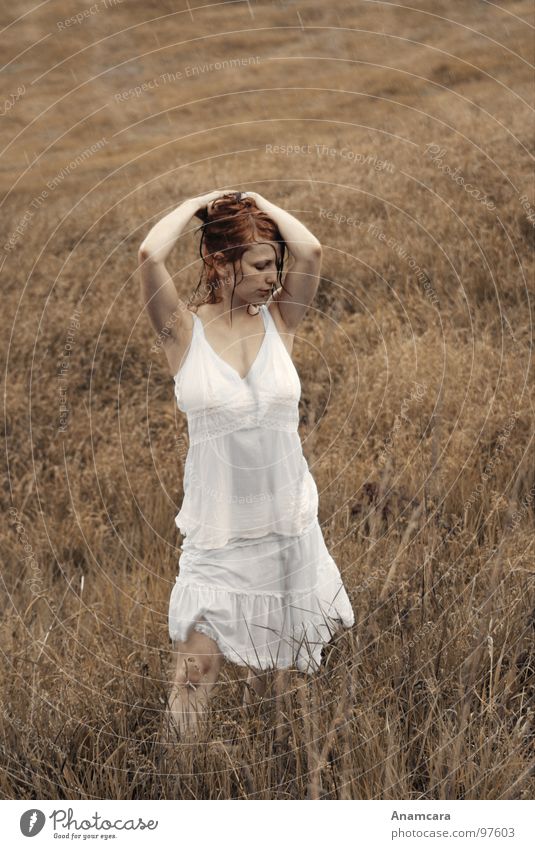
x=158, y=291
x=302, y=279
x=159, y=294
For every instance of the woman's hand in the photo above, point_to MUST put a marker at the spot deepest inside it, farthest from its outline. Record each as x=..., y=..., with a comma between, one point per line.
x=202, y=202
x=262, y=203
x=254, y=195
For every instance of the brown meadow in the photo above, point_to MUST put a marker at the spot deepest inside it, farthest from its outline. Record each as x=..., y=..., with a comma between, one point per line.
x=417, y=403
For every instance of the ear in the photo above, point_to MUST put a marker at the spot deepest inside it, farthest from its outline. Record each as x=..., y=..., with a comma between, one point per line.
x=215, y=259
x=220, y=261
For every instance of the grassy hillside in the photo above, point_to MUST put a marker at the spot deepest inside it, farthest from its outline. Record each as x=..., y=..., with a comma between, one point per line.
x=403, y=138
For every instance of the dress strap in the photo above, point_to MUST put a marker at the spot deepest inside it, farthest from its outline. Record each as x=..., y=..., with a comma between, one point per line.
x=197, y=329
x=269, y=324
x=272, y=327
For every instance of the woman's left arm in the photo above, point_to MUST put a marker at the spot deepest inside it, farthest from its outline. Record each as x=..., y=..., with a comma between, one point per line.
x=302, y=279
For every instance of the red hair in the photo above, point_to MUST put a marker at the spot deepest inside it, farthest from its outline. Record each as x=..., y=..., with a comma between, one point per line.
x=231, y=226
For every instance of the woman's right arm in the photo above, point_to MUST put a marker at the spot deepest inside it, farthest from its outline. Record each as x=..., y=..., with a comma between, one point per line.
x=165, y=309
x=160, y=297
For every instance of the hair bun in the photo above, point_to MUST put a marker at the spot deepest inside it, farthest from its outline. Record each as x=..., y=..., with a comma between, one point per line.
x=228, y=204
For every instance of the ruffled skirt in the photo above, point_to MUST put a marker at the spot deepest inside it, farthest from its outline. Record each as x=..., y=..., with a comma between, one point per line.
x=268, y=603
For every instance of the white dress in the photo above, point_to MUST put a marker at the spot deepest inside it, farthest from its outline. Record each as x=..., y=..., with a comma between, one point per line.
x=254, y=564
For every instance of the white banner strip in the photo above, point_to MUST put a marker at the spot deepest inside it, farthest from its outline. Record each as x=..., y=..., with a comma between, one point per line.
x=315, y=825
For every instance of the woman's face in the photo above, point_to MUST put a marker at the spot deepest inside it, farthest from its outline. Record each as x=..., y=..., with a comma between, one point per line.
x=258, y=274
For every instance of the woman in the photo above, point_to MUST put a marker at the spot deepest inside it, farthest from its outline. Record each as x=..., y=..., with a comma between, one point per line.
x=256, y=583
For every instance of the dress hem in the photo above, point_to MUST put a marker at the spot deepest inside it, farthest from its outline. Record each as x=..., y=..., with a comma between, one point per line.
x=340, y=618
x=266, y=666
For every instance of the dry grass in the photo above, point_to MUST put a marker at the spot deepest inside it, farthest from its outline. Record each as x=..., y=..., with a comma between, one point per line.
x=417, y=406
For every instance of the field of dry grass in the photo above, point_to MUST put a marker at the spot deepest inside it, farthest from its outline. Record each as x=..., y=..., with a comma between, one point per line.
x=415, y=361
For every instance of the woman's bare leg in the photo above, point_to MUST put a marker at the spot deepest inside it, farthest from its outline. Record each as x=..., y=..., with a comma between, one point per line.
x=198, y=663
